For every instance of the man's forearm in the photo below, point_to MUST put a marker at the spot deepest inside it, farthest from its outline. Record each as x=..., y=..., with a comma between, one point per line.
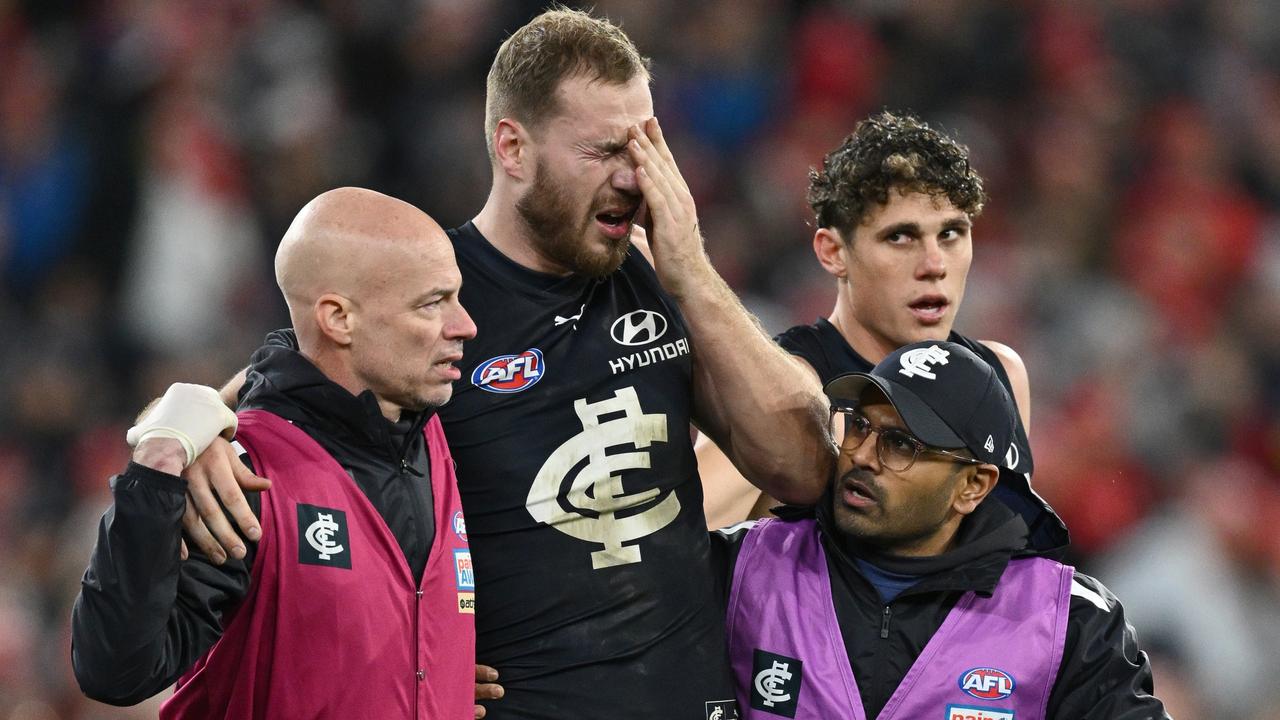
x=762, y=406
x=230, y=393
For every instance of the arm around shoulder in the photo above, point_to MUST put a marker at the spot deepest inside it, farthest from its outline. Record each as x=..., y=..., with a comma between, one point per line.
x=1104, y=674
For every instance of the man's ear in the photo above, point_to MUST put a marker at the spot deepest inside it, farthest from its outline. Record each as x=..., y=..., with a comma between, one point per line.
x=975, y=487
x=827, y=245
x=335, y=318
x=511, y=148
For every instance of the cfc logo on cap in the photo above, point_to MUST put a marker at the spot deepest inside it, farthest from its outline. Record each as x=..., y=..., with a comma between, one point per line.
x=917, y=362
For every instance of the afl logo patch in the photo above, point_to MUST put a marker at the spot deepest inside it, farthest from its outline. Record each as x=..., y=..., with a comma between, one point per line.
x=639, y=327
x=986, y=683
x=509, y=373
x=460, y=526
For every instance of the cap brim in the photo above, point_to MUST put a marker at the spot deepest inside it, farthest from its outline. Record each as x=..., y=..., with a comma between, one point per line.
x=919, y=418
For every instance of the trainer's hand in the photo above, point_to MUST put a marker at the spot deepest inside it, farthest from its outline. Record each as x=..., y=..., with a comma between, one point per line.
x=486, y=687
x=219, y=474
x=191, y=414
x=674, y=236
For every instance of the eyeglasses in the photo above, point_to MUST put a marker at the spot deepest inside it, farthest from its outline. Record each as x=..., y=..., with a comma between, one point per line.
x=896, y=449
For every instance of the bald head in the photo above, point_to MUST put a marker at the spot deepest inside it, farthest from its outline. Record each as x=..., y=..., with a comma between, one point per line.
x=371, y=283
x=341, y=241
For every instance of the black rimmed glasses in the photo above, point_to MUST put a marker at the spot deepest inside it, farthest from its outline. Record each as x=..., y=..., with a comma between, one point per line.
x=897, y=449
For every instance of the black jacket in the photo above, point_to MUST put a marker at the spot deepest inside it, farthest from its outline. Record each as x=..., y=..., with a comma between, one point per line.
x=1103, y=673
x=143, y=617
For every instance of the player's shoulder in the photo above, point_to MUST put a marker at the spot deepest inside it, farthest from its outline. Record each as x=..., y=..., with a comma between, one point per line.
x=1004, y=359
x=806, y=341
x=1090, y=594
x=823, y=347
x=1007, y=356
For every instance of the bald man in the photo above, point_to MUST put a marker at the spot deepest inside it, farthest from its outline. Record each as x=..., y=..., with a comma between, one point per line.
x=349, y=603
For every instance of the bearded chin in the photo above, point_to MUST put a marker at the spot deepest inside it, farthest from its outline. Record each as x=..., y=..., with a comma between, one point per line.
x=560, y=235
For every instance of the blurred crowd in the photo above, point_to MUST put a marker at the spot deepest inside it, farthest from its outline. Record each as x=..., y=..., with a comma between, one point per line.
x=152, y=154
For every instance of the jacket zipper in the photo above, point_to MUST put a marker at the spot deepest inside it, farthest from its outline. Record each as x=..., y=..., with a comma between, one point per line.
x=884, y=622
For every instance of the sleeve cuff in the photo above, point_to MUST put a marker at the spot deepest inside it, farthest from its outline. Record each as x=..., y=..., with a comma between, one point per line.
x=152, y=478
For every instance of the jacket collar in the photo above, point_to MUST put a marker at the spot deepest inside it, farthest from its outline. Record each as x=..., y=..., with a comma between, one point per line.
x=283, y=381
x=987, y=539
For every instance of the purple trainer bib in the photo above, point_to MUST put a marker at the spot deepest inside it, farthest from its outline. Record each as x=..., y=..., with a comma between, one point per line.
x=993, y=658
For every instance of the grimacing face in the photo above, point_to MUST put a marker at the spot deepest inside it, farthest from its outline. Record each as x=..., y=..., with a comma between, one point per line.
x=903, y=513
x=412, y=327
x=906, y=266
x=583, y=196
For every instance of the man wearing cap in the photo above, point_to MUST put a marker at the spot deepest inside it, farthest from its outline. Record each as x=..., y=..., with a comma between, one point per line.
x=920, y=593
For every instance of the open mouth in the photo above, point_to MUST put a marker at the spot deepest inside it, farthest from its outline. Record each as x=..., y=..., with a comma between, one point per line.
x=446, y=365
x=616, y=222
x=857, y=493
x=930, y=309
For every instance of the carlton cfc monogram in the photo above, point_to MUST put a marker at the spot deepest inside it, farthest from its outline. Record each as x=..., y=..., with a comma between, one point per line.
x=775, y=683
x=917, y=362
x=322, y=536
x=595, y=492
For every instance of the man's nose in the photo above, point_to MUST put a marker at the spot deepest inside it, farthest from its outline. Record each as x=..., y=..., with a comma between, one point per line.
x=865, y=453
x=461, y=326
x=933, y=265
x=624, y=179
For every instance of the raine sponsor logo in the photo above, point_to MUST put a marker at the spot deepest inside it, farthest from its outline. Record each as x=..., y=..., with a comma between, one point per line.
x=639, y=327
x=963, y=712
x=465, y=571
x=509, y=373
x=916, y=363
x=987, y=683
x=649, y=356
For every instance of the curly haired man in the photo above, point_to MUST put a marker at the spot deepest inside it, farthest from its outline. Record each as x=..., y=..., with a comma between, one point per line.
x=894, y=207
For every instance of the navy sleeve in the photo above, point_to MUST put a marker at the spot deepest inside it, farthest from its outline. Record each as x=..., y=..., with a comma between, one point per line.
x=1103, y=673
x=143, y=616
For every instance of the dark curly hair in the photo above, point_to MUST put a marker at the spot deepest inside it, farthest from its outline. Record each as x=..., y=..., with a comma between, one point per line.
x=885, y=152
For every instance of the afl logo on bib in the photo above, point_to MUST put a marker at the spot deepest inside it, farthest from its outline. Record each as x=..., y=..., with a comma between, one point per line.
x=987, y=683
x=509, y=373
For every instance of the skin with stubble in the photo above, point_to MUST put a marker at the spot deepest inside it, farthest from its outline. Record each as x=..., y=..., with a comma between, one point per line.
x=576, y=186
x=914, y=513
x=372, y=288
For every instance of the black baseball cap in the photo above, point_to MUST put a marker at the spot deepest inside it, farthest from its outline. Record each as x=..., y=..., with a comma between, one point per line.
x=948, y=397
